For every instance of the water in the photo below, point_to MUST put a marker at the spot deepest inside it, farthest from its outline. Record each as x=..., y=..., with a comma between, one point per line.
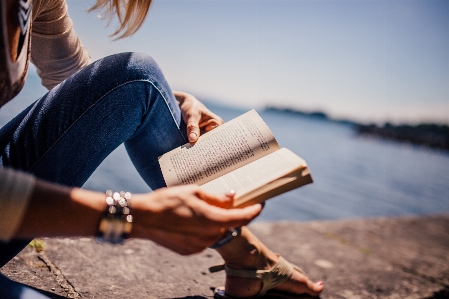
x=354, y=177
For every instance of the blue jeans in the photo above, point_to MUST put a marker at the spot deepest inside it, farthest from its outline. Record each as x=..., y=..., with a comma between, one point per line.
x=64, y=136
x=14, y=290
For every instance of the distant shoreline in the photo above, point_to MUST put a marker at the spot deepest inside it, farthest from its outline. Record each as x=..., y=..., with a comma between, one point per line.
x=426, y=134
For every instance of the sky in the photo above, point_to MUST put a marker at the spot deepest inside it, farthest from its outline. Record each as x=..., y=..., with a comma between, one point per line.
x=369, y=61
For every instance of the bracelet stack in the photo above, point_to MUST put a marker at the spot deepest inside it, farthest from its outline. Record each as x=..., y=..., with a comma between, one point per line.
x=116, y=223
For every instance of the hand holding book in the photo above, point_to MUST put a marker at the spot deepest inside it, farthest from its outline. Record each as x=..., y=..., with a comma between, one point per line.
x=242, y=155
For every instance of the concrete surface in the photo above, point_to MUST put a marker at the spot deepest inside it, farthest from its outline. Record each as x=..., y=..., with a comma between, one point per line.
x=373, y=258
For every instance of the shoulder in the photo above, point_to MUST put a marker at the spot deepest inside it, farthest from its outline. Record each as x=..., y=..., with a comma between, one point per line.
x=48, y=9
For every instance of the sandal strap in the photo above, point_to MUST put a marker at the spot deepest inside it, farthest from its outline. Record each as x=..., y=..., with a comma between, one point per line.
x=217, y=268
x=280, y=273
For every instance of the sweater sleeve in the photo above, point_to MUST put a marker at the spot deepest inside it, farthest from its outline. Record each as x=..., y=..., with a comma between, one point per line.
x=56, y=50
x=15, y=190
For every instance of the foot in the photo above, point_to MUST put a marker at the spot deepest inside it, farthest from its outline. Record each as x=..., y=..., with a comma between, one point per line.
x=247, y=252
x=249, y=287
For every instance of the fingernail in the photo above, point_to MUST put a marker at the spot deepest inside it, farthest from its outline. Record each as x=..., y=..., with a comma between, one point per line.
x=192, y=136
x=320, y=283
x=230, y=193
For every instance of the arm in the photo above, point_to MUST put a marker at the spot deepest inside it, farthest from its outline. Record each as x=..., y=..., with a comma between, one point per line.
x=56, y=51
x=184, y=219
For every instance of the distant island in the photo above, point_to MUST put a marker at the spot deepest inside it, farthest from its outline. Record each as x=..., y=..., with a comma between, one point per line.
x=313, y=114
x=318, y=114
x=431, y=135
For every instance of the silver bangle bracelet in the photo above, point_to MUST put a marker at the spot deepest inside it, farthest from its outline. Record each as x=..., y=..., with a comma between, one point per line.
x=117, y=221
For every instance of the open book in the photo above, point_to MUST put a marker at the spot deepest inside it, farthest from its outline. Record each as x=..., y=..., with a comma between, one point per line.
x=240, y=155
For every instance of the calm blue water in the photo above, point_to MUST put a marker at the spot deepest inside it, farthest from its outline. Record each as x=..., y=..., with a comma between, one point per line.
x=354, y=177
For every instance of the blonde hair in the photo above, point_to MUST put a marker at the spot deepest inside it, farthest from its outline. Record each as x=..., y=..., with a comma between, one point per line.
x=131, y=14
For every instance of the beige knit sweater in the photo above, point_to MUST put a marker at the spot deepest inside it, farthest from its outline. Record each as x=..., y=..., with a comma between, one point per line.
x=57, y=53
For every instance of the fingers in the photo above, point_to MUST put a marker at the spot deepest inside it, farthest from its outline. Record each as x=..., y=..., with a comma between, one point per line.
x=195, y=125
x=227, y=217
x=226, y=201
x=193, y=129
x=211, y=123
x=230, y=194
x=241, y=217
x=220, y=217
x=196, y=116
x=186, y=219
x=218, y=119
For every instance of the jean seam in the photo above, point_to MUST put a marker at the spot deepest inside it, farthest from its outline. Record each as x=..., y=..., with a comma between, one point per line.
x=168, y=106
x=95, y=103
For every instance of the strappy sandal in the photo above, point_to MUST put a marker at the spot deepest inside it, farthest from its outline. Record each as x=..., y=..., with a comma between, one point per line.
x=280, y=273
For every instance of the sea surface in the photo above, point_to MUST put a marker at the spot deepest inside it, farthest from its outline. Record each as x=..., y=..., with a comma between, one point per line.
x=354, y=176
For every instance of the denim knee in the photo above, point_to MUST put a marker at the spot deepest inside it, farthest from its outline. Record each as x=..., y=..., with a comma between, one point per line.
x=133, y=66
x=126, y=85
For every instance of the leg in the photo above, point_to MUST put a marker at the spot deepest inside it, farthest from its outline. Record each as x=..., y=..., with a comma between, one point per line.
x=14, y=290
x=246, y=252
x=66, y=134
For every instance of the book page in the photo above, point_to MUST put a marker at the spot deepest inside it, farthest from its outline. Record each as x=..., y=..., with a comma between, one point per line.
x=230, y=146
x=257, y=174
x=286, y=183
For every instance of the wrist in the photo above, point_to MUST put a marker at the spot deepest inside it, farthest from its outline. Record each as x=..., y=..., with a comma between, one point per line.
x=117, y=221
x=93, y=204
x=143, y=214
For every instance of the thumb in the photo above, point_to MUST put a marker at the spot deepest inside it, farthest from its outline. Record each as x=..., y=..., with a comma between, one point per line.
x=193, y=129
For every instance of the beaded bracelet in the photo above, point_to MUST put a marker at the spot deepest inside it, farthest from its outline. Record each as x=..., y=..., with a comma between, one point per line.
x=116, y=223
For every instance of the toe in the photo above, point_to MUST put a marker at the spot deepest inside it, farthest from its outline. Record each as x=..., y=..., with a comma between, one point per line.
x=301, y=284
x=315, y=288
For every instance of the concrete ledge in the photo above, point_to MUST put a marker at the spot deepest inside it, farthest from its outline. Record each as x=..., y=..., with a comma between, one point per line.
x=375, y=258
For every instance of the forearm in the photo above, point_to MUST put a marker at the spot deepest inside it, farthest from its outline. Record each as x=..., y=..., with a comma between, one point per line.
x=183, y=218
x=60, y=211
x=56, y=50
